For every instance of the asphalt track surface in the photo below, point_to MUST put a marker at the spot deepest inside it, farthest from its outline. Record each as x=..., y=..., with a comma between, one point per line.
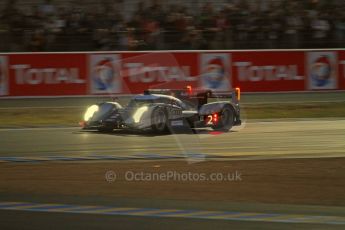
x=307, y=138
x=253, y=140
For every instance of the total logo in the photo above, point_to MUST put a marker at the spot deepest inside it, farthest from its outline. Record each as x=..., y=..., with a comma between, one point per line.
x=105, y=74
x=215, y=71
x=26, y=74
x=322, y=70
x=140, y=72
x=247, y=71
x=3, y=76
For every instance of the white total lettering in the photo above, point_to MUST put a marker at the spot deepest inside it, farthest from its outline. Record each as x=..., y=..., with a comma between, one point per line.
x=24, y=74
x=248, y=72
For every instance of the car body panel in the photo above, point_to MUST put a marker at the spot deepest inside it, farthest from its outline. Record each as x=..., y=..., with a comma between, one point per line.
x=138, y=113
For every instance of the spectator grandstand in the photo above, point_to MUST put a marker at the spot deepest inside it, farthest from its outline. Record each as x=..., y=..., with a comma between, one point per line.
x=53, y=25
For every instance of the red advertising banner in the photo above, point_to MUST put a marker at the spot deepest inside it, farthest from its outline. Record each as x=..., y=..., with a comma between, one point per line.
x=341, y=69
x=4, y=76
x=159, y=70
x=269, y=71
x=47, y=74
x=134, y=72
x=74, y=74
x=322, y=70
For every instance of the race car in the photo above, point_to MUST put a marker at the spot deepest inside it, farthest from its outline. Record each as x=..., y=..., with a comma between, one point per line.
x=162, y=110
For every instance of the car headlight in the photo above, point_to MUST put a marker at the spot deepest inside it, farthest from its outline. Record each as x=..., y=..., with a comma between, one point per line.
x=90, y=112
x=139, y=113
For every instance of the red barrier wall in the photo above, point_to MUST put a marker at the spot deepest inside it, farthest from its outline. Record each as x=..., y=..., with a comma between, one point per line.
x=47, y=75
x=73, y=74
x=269, y=71
x=341, y=69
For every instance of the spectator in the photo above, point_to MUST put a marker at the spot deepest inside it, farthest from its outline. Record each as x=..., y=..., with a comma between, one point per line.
x=320, y=27
x=340, y=29
x=14, y=20
x=222, y=30
x=38, y=41
x=152, y=32
x=47, y=8
x=293, y=27
x=208, y=24
x=240, y=24
x=192, y=40
x=274, y=30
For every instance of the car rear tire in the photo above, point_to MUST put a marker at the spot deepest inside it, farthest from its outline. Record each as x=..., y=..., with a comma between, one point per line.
x=226, y=119
x=159, y=120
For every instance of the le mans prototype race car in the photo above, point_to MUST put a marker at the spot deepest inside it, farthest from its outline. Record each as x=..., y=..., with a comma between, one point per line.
x=161, y=110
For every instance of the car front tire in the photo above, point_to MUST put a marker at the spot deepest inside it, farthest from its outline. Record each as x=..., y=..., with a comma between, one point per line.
x=159, y=120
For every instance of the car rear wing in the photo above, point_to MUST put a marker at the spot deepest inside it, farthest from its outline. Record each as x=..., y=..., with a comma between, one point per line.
x=234, y=95
x=162, y=91
x=200, y=95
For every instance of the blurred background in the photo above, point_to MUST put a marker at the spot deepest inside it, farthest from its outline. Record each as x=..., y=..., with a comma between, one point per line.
x=62, y=25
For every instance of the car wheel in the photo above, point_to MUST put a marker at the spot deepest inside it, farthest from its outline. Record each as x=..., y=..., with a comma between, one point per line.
x=226, y=119
x=159, y=120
